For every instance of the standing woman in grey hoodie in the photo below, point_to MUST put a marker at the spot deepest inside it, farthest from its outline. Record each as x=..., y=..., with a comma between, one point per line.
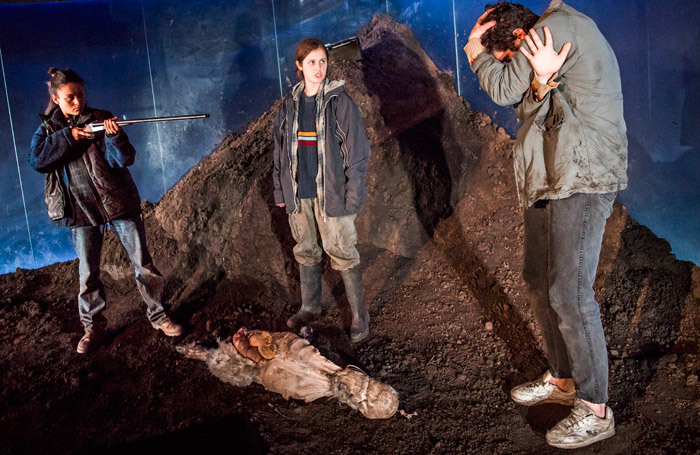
x=320, y=162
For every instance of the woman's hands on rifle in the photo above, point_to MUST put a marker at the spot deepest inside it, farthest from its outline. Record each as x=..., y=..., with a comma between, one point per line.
x=111, y=128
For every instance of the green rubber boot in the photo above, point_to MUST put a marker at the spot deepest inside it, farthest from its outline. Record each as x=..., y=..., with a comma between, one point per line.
x=356, y=298
x=310, y=280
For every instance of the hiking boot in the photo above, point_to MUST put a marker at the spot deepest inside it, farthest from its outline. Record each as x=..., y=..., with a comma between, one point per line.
x=88, y=342
x=581, y=428
x=352, y=278
x=310, y=282
x=540, y=391
x=169, y=327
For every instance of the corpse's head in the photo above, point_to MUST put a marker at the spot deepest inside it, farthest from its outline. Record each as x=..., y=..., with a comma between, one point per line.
x=513, y=22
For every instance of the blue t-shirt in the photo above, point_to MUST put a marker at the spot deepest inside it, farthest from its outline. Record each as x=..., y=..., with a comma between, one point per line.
x=307, y=167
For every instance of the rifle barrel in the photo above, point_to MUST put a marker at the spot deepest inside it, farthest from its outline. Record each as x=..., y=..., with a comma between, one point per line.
x=99, y=126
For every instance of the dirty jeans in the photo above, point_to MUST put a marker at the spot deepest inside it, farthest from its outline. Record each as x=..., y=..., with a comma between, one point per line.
x=338, y=236
x=87, y=242
x=562, y=246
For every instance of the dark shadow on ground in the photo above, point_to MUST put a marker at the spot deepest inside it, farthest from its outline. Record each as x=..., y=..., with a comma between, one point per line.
x=427, y=150
x=231, y=435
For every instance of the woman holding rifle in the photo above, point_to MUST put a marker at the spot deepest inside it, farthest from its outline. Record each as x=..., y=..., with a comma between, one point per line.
x=88, y=187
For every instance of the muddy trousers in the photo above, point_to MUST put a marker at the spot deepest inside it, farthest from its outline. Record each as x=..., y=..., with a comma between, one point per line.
x=87, y=242
x=338, y=236
x=562, y=247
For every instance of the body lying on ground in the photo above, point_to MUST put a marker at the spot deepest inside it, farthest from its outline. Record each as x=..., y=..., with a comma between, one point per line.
x=285, y=363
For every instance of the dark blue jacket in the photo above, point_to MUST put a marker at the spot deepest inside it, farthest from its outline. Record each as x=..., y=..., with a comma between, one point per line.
x=89, y=175
x=343, y=149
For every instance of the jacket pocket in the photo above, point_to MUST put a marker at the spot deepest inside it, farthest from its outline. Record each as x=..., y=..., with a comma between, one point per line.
x=552, y=121
x=55, y=196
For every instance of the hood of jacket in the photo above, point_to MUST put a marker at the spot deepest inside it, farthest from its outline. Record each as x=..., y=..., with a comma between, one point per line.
x=327, y=87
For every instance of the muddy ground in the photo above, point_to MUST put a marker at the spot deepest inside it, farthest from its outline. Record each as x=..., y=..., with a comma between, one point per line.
x=441, y=244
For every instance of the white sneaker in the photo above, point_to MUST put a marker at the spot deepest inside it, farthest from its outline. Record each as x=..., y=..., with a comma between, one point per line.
x=540, y=391
x=581, y=428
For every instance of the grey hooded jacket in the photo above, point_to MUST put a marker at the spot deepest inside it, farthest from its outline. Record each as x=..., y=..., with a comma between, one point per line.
x=343, y=151
x=573, y=140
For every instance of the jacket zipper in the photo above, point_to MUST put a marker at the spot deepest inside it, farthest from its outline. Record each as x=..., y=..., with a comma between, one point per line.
x=343, y=138
x=323, y=111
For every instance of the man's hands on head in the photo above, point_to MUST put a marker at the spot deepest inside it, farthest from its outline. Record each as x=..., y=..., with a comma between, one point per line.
x=480, y=28
x=545, y=61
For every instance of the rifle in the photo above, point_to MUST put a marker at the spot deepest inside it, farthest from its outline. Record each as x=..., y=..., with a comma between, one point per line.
x=99, y=126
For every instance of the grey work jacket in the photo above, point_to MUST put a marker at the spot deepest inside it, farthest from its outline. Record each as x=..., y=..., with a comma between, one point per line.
x=343, y=151
x=574, y=140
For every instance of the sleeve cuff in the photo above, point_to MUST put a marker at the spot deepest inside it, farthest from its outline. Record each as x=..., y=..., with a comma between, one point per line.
x=473, y=48
x=279, y=198
x=540, y=90
x=68, y=134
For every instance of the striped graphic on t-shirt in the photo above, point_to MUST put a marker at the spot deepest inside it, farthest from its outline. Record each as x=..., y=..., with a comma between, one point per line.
x=304, y=138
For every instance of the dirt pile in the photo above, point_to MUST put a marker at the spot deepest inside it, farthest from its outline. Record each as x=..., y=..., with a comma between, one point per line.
x=441, y=246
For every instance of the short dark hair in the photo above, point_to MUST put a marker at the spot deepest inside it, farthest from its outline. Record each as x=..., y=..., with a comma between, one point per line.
x=508, y=17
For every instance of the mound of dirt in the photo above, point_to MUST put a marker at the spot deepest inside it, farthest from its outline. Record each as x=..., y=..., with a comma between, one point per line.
x=441, y=244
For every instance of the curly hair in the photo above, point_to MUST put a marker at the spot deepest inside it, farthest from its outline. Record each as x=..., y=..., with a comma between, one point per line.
x=508, y=17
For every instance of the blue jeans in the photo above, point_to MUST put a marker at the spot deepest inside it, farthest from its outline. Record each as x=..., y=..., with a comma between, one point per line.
x=562, y=247
x=87, y=242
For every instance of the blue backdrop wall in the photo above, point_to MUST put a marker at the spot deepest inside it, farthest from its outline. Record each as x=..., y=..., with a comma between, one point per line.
x=234, y=59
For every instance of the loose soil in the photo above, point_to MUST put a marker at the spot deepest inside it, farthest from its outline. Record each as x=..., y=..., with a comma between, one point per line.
x=440, y=238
